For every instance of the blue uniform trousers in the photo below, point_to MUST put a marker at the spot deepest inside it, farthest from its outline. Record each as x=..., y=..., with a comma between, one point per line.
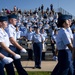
x=53, y=48
x=30, y=54
x=65, y=64
x=37, y=47
x=17, y=62
x=74, y=66
x=10, y=67
x=1, y=69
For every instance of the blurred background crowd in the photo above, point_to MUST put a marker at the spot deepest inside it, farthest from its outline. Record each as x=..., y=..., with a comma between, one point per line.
x=28, y=20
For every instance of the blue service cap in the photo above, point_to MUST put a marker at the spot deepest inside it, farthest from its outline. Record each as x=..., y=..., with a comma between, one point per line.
x=3, y=18
x=12, y=16
x=64, y=17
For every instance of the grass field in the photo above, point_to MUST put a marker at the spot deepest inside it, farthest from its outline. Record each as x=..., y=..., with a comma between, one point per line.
x=37, y=73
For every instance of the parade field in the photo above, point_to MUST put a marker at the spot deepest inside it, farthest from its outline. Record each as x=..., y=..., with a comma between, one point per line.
x=47, y=67
x=37, y=73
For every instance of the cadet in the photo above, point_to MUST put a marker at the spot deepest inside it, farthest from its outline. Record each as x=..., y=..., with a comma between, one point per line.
x=44, y=34
x=4, y=47
x=29, y=36
x=74, y=53
x=11, y=30
x=65, y=48
x=53, y=44
x=37, y=47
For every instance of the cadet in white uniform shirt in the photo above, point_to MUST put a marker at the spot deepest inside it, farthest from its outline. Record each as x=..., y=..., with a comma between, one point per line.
x=44, y=34
x=11, y=30
x=37, y=47
x=29, y=36
x=65, y=48
x=74, y=52
x=4, y=47
x=53, y=44
x=69, y=29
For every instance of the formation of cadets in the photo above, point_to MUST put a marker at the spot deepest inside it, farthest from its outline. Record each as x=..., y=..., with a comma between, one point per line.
x=35, y=28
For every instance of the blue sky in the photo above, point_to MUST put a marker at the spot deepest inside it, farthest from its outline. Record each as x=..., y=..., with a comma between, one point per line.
x=68, y=5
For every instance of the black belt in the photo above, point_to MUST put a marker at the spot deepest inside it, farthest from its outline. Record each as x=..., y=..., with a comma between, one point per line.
x=11, y=45
x=37, y=42
x=29, y=40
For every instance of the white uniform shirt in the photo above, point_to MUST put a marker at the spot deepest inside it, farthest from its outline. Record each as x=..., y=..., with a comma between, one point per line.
x=18, y=34
x=74, y=40
x=44, y=35
x=73, y=27
x=63, y=38
x=54, y=37
x=11, y=30
x=4, y=37
x=29, y=35
x=46, y=26
x=37, y=38
x=70, y=31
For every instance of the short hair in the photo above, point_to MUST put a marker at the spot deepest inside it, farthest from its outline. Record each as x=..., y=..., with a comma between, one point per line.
x=62, y=19
x=60, y=24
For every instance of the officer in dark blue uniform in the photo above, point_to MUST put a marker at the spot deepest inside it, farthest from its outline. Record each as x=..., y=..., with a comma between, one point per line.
x=65, y=48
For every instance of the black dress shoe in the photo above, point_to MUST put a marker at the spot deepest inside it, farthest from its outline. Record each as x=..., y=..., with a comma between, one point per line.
x=34, y=67
x=38, y=67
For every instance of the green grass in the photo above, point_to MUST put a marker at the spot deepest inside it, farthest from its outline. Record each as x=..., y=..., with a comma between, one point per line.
x=37, y=73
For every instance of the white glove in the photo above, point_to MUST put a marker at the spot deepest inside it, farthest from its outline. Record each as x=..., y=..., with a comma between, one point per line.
x=17, y=56
x=7, y=60
x=23, y=50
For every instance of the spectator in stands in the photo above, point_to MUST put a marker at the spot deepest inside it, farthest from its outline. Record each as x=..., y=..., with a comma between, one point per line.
x=73, y=26
x=53, y=44
x=51, y=7
x=44, y=34
x=42, y=7
x=46, y=26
